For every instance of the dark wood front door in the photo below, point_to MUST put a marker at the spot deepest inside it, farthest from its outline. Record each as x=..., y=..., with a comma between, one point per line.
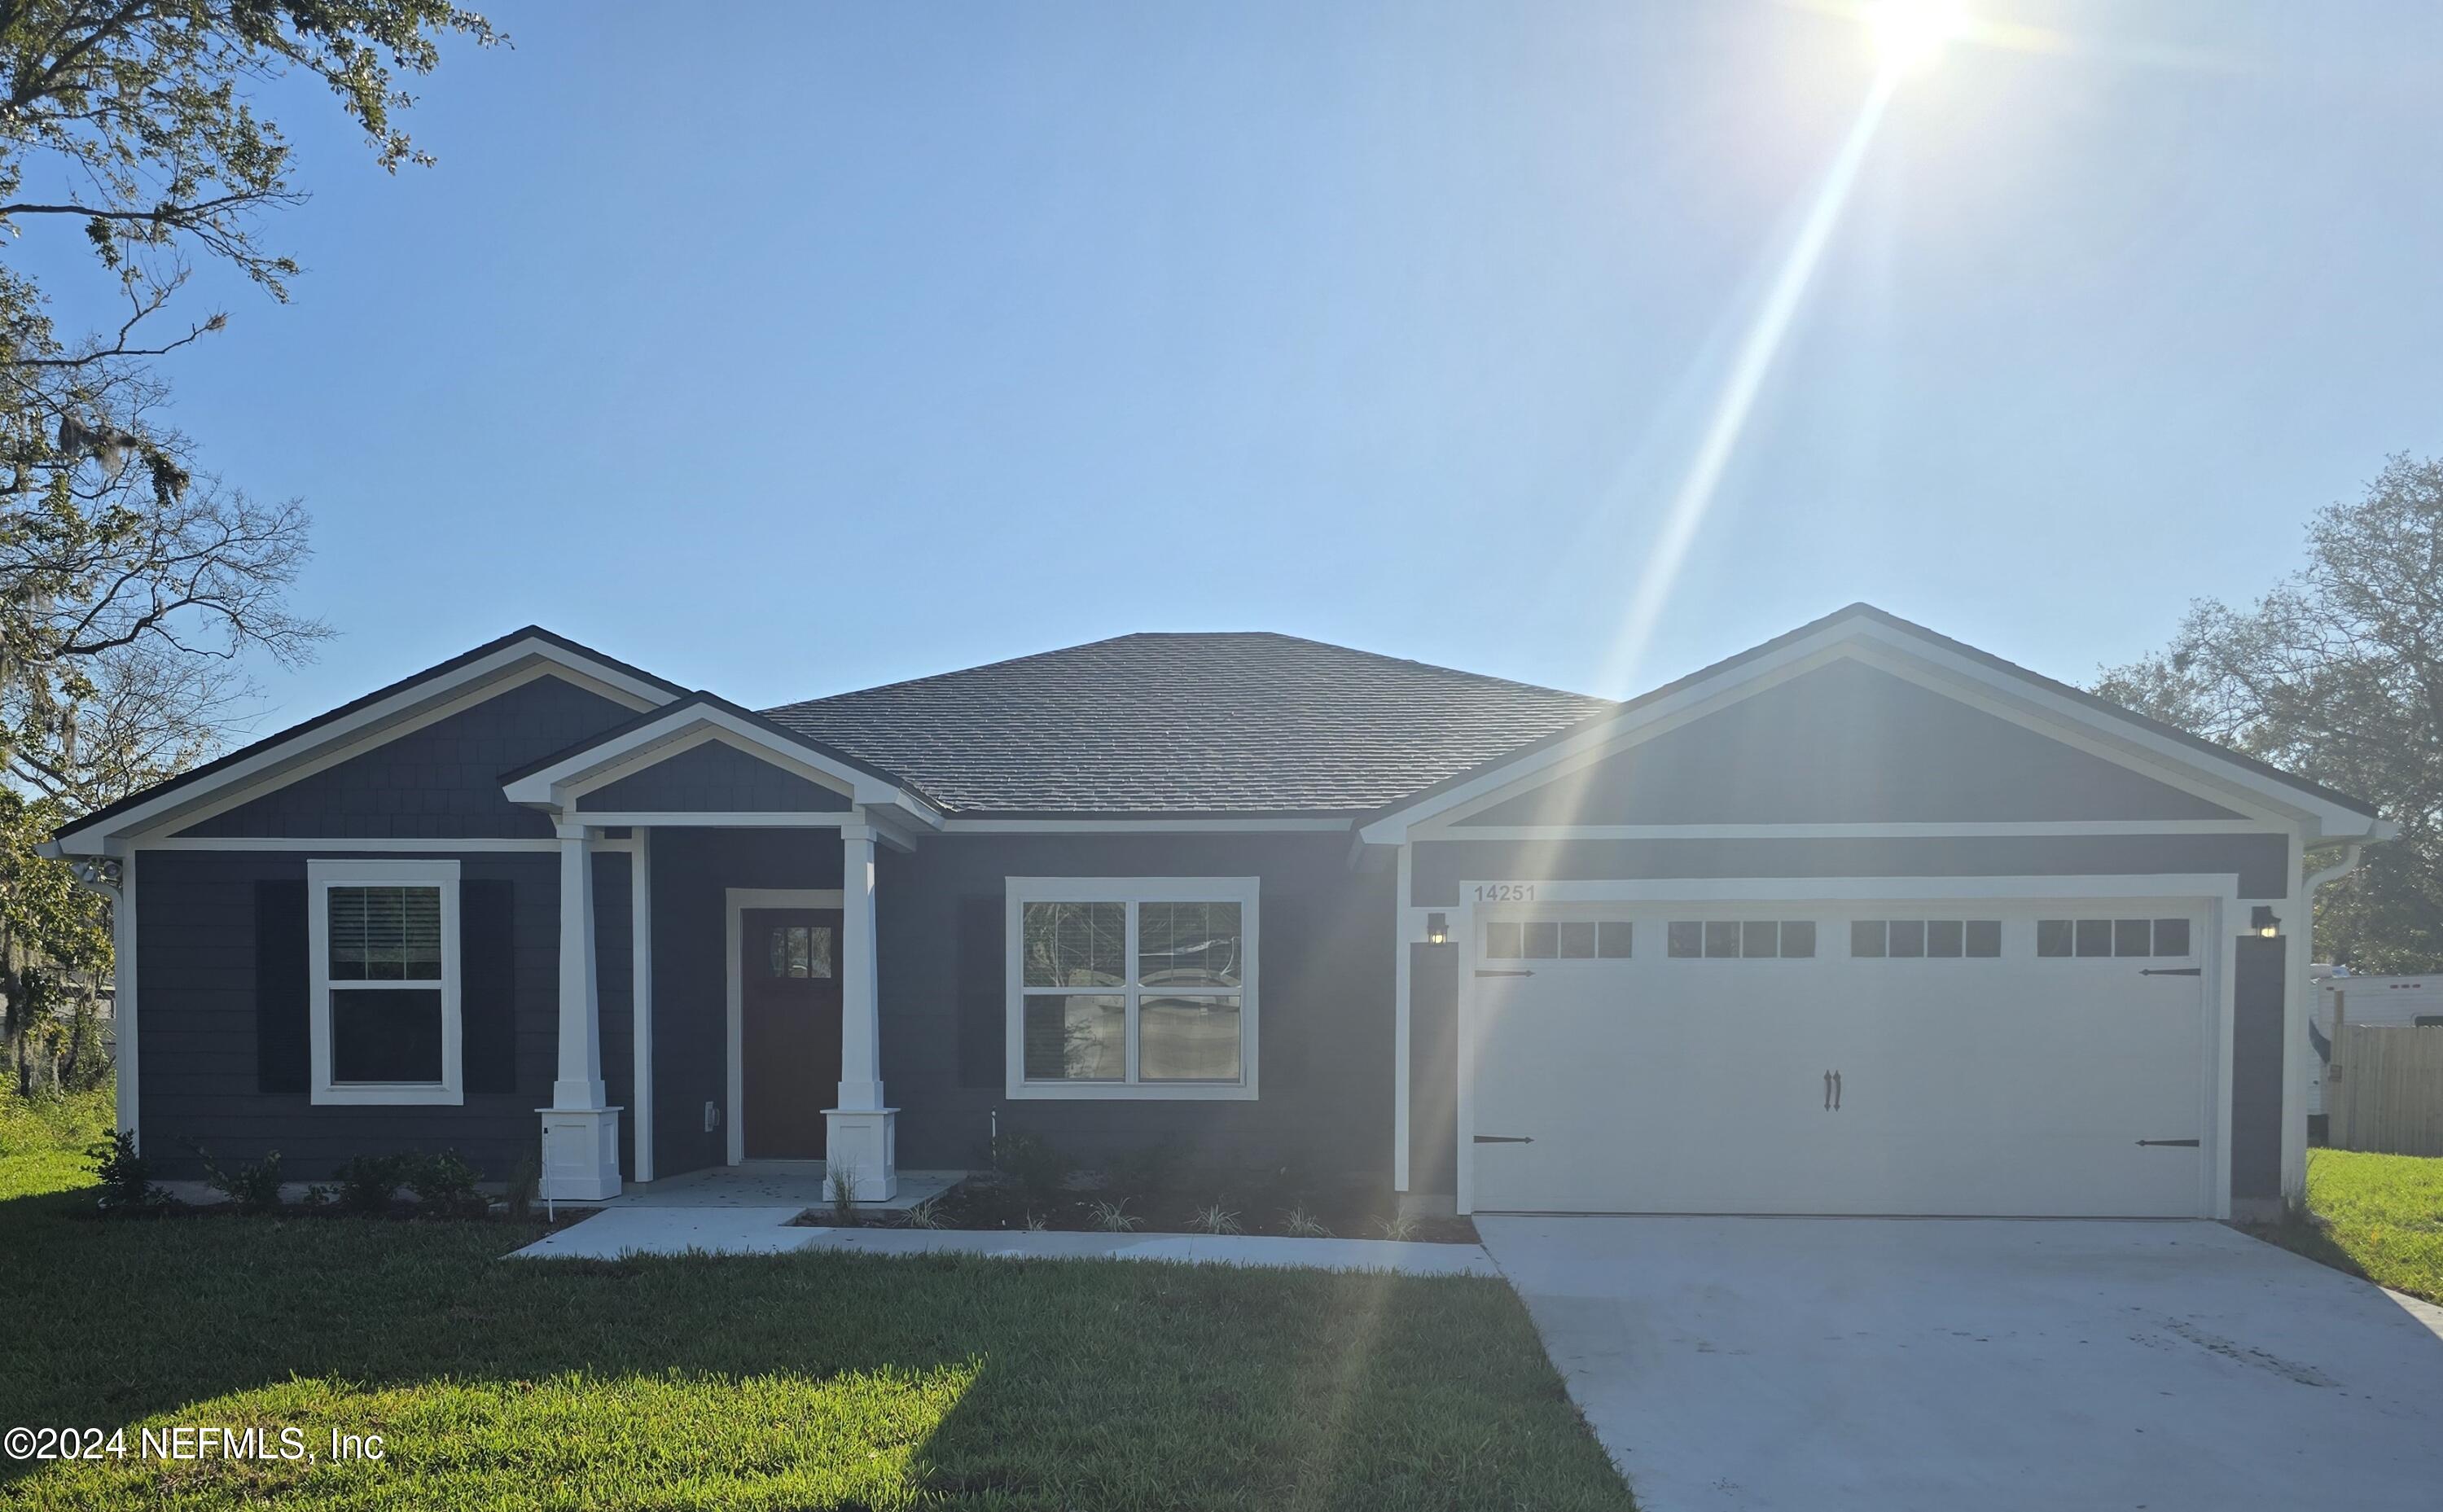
x=789, y=1030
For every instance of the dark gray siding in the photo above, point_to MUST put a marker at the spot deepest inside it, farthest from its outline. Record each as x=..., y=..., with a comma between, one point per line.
x=1433, y=1069
x=1325, y=997
x=441, y=781
x=692, y=870
x=2256, y=1069
x=197, y=1008
x=713, y=778
x=2262, y=863
x=1850, y=744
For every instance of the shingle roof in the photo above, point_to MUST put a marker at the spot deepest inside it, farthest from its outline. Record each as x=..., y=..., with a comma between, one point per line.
x=1219, y=723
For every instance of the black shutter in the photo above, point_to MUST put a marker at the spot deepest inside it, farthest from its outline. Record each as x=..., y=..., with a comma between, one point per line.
x=283, y=985
x=487, y=999
x=982, y=975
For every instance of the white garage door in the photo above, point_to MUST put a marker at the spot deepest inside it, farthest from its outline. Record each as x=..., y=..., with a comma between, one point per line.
x=1942, y=1058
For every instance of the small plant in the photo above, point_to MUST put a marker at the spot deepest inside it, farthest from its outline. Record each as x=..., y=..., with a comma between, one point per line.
x=928, y=1215
x=1114, y=1217
x=1300, y=1224
x=526, y=1187
x=1214, y=1218
x=369, y=1183
x=126, y=1176
x=444, y=1185
x=1399, y=1227
x=318, y=1195
x=1034, y=1223
x=842, y=1180
x=251, y=1189
x=1033, y=1166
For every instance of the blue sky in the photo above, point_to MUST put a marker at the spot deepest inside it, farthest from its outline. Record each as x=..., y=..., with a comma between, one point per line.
x=805, y=347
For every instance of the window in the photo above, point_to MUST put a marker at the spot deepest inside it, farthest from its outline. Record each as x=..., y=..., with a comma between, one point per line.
x=1740, y=938
x=2112, y=937
x=1564, y=939
x=801, y=952
x=1134, y=987
x=384, y=936
x=1924, y=939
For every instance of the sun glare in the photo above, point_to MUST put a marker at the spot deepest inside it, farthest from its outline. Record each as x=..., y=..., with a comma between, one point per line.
x=1911, y=34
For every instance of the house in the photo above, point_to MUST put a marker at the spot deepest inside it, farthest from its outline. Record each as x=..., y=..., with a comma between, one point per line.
x=1860, y=920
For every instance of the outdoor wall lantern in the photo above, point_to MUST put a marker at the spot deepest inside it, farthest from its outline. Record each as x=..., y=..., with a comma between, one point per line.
x=2261, y=922
x=1437, y=929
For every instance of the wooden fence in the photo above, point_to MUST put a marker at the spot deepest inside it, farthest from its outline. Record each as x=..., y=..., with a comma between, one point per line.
x=2385, y=1090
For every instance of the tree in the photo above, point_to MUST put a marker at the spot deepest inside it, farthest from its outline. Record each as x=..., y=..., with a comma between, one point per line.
x=2337, y=675
x=134, y=584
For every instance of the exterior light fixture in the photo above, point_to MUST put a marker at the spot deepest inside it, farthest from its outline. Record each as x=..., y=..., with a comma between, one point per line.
x=1437, y=929
x=2262, y=922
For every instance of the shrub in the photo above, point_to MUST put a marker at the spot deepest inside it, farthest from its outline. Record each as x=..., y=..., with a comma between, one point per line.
x=126, y=1176
x=526, y=1187
x=251, y=1189
x=1034, y=1166
x=1399, y=1226
x=928, y=1215
x=1114, y=1217
x=1034, y=1223
x=444, y=1184
x=1301, y=1224
x=842, y=1181
x=1214, y=1218
x=369, y=1183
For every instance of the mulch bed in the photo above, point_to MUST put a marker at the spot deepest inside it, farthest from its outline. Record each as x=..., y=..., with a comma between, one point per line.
x=986, y=1202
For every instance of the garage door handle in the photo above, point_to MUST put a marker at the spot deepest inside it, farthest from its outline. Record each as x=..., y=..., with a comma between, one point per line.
x=2185, y=1144
x=1505, y=1139
x=1482, y=973
x=1827, y=1091
x=2173, y=970
x=1836, y=1091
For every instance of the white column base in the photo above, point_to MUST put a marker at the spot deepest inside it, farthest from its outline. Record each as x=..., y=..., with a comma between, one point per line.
x=864, y=1140
x=581, y=1154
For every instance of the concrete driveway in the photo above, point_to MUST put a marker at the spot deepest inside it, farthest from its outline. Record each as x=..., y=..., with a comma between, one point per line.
x=1888, y=1364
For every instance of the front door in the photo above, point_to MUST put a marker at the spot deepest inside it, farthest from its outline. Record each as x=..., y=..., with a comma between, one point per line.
x=789, y=1001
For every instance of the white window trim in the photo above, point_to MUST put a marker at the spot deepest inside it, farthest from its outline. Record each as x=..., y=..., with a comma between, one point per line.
x=321, y=877
x=1131, y=891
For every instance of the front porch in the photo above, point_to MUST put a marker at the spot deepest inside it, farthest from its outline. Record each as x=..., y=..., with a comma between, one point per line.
x=751, y=1040
x=797, y=1185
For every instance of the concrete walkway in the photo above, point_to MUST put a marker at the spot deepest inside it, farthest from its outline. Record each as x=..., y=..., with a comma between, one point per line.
x=617, y=1233
x=1877, y=1365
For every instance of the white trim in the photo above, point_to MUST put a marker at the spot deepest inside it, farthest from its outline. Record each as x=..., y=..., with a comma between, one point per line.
x=681, y=729
x=1456, y=830
x=1401, y=1059
x=326, y=845
x=735, y=901
x=321, y=875
x=785, y=819
x=2218, y=779
x=640, y=999
x=290, y=758
x=2218, y=894
x=123, y=995
x=1133, y=892
x=1148, y=825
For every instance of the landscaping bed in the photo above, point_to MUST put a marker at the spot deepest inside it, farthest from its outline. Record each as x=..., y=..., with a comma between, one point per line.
x=989, y=1202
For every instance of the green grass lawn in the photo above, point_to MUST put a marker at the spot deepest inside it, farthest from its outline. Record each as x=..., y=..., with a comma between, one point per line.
x=789, y=1381
x=2383, y=1219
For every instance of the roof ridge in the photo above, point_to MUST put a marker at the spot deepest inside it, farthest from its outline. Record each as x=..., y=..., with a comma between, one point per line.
x=934, y=678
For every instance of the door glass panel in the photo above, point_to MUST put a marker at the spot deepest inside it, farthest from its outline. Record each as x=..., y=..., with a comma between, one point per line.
x=800, y=951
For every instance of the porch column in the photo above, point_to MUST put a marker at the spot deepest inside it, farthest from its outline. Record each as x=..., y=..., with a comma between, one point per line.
x=862, y=1134
x=581, y=1136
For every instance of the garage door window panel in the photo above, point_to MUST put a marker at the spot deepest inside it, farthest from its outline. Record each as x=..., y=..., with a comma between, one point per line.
x=2114, y=937
x=1740, y=938
x=1925, y=938
x=1134, y=987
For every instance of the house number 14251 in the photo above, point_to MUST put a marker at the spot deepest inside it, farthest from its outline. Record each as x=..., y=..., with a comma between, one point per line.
x=1505, y=892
